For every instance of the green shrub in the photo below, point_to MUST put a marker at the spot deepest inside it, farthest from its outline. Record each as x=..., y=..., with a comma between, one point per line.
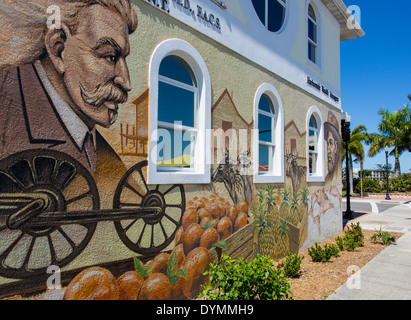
x=292, y=265
x=384, y=236
x=340, y=243
x=243, y=280
x=353, y=237
x=368, y=185
x=319, y=254
x=402, y=183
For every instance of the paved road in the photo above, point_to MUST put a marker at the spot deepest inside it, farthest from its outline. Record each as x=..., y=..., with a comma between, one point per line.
x=389, y=215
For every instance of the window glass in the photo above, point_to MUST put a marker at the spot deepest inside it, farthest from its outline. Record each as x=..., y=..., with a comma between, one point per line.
x=312, y=34
x=265, y=128
x=177, y=113
x=175, y=148
x=271, y=13
x=259, y=7
x=265, y=104
x=174, y=67
x=311, y=12
x=176, y=104
x=313, y=145
x=264, y=156
x=312, y=31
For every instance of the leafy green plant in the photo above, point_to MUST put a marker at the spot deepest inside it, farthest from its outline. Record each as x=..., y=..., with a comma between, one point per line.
x=292, y=265
x=139, y=267
x=319, y=254
x=340, y=243
x=242, y=280
x=173, y=273
x=385, y=237
x=353, y=237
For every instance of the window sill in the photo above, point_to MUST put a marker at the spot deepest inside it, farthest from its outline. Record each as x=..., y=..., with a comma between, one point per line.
x=311, y=178
x=268, y=178
x=176, y=177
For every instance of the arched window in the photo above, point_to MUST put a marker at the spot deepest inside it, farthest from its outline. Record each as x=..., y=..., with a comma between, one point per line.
x=313, y=133
x=266, y=134
x=315, y=145
x=179, y=115
x=312, y=19
x=269, y=136
x=271, y=13
x=177, y=110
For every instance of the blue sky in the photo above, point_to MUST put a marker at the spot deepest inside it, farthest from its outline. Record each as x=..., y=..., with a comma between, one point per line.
x=376, y=69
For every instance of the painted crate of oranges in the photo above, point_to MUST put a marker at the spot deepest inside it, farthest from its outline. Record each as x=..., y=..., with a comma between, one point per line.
x=208, y=225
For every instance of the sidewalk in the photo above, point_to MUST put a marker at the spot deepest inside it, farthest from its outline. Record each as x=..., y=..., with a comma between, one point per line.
x=388, y=275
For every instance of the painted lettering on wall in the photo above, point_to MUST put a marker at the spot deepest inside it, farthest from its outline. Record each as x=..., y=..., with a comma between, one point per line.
x=200, y=12
x=323, y=89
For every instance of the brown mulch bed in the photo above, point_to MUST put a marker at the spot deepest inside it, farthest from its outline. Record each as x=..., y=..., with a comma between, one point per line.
x=318, y=280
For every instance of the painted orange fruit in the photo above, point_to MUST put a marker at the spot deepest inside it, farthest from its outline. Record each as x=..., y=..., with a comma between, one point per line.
x=94, y=283
x=241, y=221
x=192, y=237
x=160, y=262
x=197, y=262
x=243, y=206
x=203, y=212
x=232, y=213
x=225, y=227
x=129, y=285
x=215, y=211
x=155, y=287
x=209, y=238
x=190, y=216
x=180, y=255
x=178, y=238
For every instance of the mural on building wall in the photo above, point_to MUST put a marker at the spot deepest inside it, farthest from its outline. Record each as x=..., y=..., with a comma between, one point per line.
x=73, y=156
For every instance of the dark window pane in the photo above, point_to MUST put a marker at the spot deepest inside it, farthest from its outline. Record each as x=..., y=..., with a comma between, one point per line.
x=276, y=14
x=265, y=127
x=311, y=12
x=176, y=68
x=259, y=6
x=313, y=122
x=265, y=104
x=175, y=104
x=311, y=52
x=312, y=31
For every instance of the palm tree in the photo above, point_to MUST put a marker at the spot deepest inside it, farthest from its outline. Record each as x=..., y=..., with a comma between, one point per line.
x=358, y=137
x=394, y=131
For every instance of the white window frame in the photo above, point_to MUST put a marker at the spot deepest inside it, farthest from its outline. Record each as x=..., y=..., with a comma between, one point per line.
x=200, y=172
x=318, y=45
x=319, y=175
x=277, y=174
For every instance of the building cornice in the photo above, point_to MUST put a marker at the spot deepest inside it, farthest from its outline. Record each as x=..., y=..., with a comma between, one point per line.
x=349, y=29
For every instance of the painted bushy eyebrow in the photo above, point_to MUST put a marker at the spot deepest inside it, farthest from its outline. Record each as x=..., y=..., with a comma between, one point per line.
x=108, y=41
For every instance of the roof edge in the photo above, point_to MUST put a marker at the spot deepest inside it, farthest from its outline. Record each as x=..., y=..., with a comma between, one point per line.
x=349, y=29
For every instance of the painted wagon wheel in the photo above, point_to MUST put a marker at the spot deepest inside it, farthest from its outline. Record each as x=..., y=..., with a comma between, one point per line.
x=148, y=235
x=69, y=186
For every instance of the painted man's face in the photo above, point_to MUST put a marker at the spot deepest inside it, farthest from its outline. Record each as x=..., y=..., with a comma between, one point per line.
x=96, y=74
x=332, y=152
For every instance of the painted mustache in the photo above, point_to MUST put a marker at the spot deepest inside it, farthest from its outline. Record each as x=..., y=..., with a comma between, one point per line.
x=102, y=93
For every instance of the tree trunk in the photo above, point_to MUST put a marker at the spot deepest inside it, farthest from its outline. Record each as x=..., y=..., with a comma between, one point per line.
x=397, y=168
x=351, y=181
x=361, y=168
